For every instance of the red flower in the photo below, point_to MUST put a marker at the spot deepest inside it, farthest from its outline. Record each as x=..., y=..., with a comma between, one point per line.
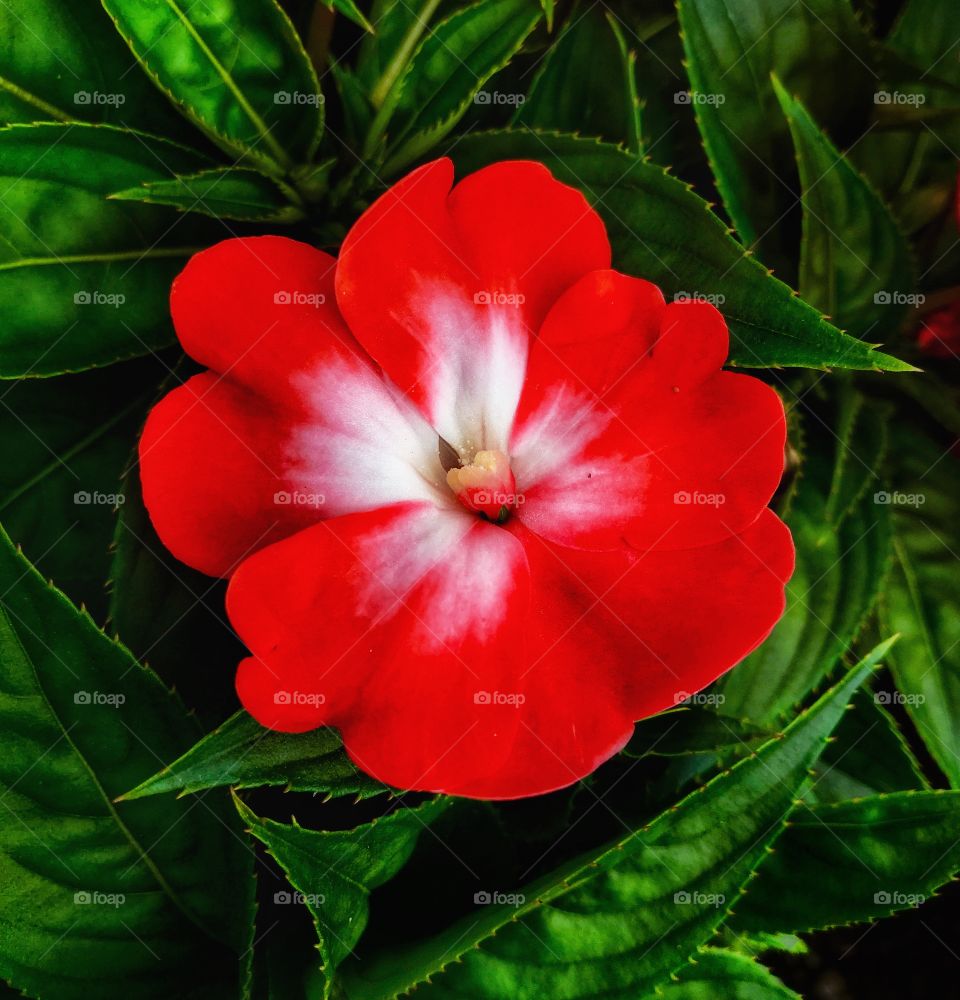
x=939, y=334
x=483, y=501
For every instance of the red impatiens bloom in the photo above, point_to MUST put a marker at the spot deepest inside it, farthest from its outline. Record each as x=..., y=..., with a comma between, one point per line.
x=483, y=501
x=939, y=334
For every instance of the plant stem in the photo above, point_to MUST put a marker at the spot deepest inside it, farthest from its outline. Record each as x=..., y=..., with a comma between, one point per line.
x=399, y=62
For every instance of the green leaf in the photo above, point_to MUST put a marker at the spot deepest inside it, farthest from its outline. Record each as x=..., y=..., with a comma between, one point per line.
x=682, y=731
x=152, y=899
x=627, y=915
x=335, y=871
x=715, y=973
x=224, y=193
x=843, y=554
x=920, y=599
x=383, y=55
x=548, y=11
x=66, y=443
x=865, y=859
x=660, y=230
x=855, y=263
x=238, y=71
x=350, y=10
x=603, y=102
x=447, y=73
x=62, y=61
x=817, y=49
x=243, y=754
x=868, y=754
x=84, y=281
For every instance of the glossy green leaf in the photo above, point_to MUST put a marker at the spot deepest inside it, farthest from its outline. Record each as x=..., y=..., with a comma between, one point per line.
x=146, y=899
x=819, y=51
x=350, y=10
x=624, y=917
x=868, y=754
x=333, y=872
x=603, y=101
x=855, y=263
x=447, y=74
x=843, y=554
x=382, y=56
x=548, y=12
x=62, y=61
x=691, y=730
x=920, y=600
x=714, y=974
x=66, y=444
x=661, y=231
x=237, y=70
x=243, y=754
x=223, y=193
x=852, y=861
x=84, y=281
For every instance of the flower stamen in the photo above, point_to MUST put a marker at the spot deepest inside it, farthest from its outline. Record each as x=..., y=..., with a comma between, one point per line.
x=486, y=485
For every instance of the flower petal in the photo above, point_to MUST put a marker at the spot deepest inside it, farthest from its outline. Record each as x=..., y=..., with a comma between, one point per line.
x=615, y=637
x=293, y=424
x=392, y=625
x=462, y=657
x=671, y=452
x=444, y=287
x=261, y=309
